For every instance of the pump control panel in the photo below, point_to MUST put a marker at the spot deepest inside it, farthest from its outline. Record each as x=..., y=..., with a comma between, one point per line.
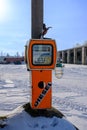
x=41, y=54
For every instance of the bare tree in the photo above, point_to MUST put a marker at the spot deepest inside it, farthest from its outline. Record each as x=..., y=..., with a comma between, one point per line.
x=85, y=43
x=17, y=54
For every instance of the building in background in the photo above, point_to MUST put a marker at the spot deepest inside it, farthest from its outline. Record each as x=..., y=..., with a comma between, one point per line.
x=11, y=60
x=77, y=55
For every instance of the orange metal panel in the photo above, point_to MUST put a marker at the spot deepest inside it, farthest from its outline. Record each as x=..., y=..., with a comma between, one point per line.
x=41, y=95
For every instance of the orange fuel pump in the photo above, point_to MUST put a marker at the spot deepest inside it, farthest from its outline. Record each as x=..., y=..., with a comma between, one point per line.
x=40, y=56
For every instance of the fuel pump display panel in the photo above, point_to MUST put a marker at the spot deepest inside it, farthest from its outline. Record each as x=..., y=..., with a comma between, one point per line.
x=42, y=54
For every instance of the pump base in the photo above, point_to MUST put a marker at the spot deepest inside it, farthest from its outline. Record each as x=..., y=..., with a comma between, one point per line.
x=42, y=112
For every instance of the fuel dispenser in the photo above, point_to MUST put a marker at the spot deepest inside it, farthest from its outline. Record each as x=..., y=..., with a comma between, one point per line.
x=41, y=55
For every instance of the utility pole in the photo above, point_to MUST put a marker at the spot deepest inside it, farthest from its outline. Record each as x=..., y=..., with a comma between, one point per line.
x=36, y=18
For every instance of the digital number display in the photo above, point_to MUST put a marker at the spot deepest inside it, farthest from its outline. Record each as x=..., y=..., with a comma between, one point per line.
x=42, y=54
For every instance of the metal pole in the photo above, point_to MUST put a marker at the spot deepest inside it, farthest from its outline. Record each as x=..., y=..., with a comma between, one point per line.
x=36, y=18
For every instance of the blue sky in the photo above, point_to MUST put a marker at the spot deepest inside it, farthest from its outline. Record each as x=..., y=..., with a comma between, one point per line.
x=68, y=19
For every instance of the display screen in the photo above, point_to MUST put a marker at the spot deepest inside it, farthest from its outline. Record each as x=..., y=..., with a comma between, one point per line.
x=42, y=54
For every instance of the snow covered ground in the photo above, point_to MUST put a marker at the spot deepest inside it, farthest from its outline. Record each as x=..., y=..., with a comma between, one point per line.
x=69, y=92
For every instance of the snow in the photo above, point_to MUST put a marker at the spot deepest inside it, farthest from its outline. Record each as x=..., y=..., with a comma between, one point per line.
x=69, y=95
x=23, y=121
